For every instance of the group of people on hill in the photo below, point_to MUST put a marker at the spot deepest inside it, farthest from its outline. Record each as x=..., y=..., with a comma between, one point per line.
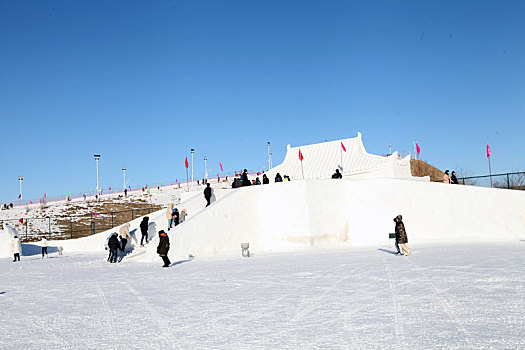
x=174, y=216
x=7, y=206
x=450, y=178
x=245, y=181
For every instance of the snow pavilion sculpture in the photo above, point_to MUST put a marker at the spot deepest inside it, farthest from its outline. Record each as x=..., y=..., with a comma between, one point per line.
x=348, y=155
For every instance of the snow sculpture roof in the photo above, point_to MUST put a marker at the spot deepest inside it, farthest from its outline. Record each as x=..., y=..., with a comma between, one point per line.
x=321, y=160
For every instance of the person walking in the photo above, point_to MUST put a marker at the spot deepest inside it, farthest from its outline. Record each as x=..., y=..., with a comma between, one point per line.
x=183, y=214
x=144, y=224
x=454, y=179
x=446, y=177
x=43, y=242
x=17, y=248
x=207, y=194
x=169, y=215
x=266, y=180
x=113, y=245
x=163, y=248
x=401, y=235
x=124, y=236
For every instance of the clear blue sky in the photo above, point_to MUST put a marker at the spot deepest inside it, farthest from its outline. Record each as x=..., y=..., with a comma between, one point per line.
x=142, y=82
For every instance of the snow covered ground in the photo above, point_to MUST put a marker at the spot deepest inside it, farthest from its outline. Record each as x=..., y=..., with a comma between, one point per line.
x=459, y=296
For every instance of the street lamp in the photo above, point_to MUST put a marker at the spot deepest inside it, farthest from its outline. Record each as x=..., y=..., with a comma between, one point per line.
x=205, y=169
x=97, y=158
x=269, y=156
x=192, y=151
x=390, y=148
x=124, y=175
x=20, y=179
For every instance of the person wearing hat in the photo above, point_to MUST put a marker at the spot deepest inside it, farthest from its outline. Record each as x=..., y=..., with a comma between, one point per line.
x=401, y=235
x=163, y=248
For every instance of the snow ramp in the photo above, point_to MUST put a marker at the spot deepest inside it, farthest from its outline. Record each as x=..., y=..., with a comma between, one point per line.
x=346, y=213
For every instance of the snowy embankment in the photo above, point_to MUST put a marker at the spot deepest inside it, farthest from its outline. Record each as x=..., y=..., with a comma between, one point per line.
x=345, y=213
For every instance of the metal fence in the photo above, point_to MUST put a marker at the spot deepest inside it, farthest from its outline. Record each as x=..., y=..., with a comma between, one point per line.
x=74, y=226
x=515, y=181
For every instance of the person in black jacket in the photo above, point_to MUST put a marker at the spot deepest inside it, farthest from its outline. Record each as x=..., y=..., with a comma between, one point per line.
x=113, y=245
x=207, y=194
x=245, y=180
x=278, y=178
x=266, y=180
x=401, y=235
x=144, y=230
x=454, y=179
x=176, y=216
x=337, y=175
x=163, y=248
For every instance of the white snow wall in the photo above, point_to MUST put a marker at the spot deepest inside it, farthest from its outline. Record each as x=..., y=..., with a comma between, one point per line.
x=345, y=213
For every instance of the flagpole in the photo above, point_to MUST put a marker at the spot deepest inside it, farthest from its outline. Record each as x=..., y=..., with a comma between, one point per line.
x=187, y=184
x=341, y=151
x=302, y=171
x=490, y=173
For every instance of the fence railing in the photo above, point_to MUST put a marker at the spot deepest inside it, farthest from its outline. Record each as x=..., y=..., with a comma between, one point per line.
x=74, y=226
x=515, y=180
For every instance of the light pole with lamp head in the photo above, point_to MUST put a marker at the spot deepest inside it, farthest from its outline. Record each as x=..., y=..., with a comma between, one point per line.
x=205, y=169
x=20, y=179
x=192, y=152
x=124, y=176
x=97, y=158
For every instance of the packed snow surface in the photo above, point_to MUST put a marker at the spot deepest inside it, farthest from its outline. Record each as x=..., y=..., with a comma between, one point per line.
x=454, y=296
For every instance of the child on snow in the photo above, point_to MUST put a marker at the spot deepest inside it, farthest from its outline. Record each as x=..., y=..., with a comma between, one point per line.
x=17, y=248
x=163, y=248
x=43, y=242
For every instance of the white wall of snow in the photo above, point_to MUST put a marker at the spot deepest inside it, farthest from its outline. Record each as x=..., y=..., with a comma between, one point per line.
x=347, y=213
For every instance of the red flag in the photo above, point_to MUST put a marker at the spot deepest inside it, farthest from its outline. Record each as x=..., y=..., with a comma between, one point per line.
x=300, y=155
x=20, y=196
x=96, y=214
x=344, y=149
x=186, y=162
x=110, y=188
x=488, y=151
x=21, y=221
x=30, y=202
x=418, y=149
x=176, y=180
x=44, y=195
x=220, y=165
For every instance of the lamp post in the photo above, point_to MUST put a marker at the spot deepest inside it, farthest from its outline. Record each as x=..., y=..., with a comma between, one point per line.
x=20, y=179
x=124, y=176
x=269, y=156
x=97, y=158
x=390, y=148
x=192, y=152
x=205, y=169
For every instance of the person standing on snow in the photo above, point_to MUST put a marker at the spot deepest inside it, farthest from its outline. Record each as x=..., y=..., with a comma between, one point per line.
x=113, y=245
x=454, y=179
x=169, y=215
x=446, y=177
x=17, y=248
x=44, y=247
x=337, y=175
x=124, y=236
x=183, y=214
x=144, y=230
x=401, y=235
x=266, y=180
x=176, y=216
x=245, y=180
x=163, y=248
x=207, y=194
